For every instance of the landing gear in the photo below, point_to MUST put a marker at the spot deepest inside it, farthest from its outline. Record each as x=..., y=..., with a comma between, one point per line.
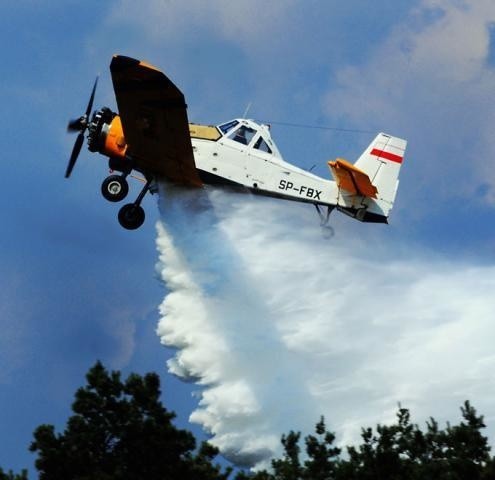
x=324, y=217
x=328, y=231
x=131, y=215
x=115, y=188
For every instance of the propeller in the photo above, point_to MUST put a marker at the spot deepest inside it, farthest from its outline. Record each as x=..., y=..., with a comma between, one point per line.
x=79, y=125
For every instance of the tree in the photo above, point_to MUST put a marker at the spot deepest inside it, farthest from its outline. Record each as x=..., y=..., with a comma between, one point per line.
x=322, y=455
x=290, y=466
x=120, y=430
x=12, y=476
x=321, y=462
x=401, y=451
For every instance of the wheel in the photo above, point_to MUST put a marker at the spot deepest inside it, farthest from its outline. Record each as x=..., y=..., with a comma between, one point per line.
x=114, y=188
x=131, y=216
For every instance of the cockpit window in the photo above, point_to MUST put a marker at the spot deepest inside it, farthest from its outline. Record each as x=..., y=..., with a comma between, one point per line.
x=243, y=135
x=228, y=126
x=262, y=145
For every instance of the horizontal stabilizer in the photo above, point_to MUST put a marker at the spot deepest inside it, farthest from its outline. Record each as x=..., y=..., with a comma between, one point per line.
x=352, y=179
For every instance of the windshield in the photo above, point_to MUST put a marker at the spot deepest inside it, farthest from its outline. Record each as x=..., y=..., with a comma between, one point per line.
x=228, y=126
x=262, y=146
x=243, y=135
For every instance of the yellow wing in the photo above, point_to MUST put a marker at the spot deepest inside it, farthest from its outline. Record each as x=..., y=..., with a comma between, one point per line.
x=352, y=179
x=154, y=120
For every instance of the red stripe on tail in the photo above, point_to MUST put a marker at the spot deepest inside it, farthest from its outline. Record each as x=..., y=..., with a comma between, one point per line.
x=387, y=155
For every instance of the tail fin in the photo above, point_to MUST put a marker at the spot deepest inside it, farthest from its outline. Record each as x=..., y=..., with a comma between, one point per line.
x=381, y=161
x=371, y=183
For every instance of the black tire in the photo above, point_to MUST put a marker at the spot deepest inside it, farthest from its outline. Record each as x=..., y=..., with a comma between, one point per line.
x=115, y=188
x=131, y=216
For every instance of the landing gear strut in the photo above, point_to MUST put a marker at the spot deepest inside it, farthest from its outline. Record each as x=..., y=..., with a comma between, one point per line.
x=131, y=215
x=324, y=217
x=328, y=231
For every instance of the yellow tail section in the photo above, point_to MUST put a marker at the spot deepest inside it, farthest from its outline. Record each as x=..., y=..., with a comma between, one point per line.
x=352, y=179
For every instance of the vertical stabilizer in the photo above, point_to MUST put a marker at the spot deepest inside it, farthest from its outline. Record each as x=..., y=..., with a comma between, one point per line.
x=382, y=161
x=368, y=188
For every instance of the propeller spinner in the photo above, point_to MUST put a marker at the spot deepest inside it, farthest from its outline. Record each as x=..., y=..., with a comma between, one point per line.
x=79, y=125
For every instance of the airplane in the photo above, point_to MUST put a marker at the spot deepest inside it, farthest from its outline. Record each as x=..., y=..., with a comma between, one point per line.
x=151, y=135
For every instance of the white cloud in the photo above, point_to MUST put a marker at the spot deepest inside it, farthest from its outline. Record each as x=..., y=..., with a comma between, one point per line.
x=431, y=81
x=275, y=54
x=280, y=325
x=247, y=24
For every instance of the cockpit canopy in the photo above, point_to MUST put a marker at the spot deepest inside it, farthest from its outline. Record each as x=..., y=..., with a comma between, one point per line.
x=251, y=134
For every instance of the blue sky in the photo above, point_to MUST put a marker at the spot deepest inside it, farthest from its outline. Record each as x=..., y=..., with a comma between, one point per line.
x=77, y=288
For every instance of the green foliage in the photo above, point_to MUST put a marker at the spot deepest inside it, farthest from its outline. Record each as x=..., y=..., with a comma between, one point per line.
x=322, y=455
x=120, y=430
x=321, y=462
x=403, y=451
x=393, y=452
x=13, y=476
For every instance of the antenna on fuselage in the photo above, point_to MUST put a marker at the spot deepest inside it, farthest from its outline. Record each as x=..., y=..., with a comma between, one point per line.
x=247, y=110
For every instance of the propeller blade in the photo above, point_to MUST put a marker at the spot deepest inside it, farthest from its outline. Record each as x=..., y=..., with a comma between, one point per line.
x=74, y=154
x=91, y=99
x=79, y=125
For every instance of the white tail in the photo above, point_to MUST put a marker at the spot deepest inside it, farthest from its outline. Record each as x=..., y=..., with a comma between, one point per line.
x=381, y=161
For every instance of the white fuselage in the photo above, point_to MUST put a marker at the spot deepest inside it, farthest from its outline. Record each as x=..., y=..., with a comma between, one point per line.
x=256, y=163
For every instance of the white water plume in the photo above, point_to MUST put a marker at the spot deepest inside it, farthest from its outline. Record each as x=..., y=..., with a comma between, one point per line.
x=278, y=325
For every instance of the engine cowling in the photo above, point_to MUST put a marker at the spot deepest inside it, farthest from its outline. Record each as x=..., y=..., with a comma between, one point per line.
x=105, y=134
